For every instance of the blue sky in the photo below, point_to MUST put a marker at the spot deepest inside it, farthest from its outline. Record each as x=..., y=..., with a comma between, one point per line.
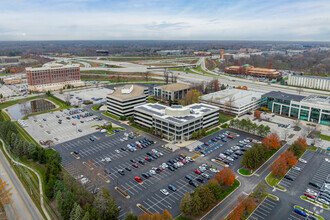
x=165, y=20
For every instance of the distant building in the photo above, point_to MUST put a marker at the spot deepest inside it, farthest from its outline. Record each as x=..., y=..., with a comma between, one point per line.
x=9, y=61
x=240, y=55
x=10, y=80
x=313, y=108
x=53, y=77
x=202, y=53
x=174, y=91
x=102, y=52
x=170, y=52
x=313, y=82
x=253, y=71
x=233, y=101
x=123, y=100
x=176, y=122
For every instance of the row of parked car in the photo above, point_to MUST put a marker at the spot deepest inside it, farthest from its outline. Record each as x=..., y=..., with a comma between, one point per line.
x=143, y=143
x=234, y=152
x=324, y=194
x=207, y=147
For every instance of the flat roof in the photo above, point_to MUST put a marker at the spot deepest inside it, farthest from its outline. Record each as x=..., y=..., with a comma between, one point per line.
x=53, y=67
x=137, y=91
x=318, y=99
x=238, y=97
x=313, y=77
x=285, y=96
x=196, y=110
x=174, y=87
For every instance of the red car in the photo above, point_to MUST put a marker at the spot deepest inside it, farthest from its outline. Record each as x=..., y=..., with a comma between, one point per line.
x=147, y=159
x=229, y=136
x=183, y=156
x=160, y=169
x=139, y=146
x=184, y=162
x=207, y=144
x=198, y=172
x=309, y=195
x=138, y=179
x=73, y=124
x=135, y=165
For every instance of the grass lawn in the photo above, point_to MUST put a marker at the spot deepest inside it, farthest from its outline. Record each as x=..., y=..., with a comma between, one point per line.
x=182, y=218
x=324, y=137
x=95, y=108
x=272, y=197
x=244, y=172
x=213, y=131
x=110, y=115
x=223, y=117
x=13, y=102
x=5, y=116
x=151, y=99
x=114, y=128
x=24, y=134
x=272, y=180
x=139, y=128
x=312, y=148
x=226, y=192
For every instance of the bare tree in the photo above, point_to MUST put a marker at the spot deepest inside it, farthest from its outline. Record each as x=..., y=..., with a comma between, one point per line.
x=300, y=90
x=146, y=75
x=166, y=76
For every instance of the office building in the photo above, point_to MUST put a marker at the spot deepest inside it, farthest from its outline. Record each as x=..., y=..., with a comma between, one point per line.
x=123, y=99
x=53, y=77
x=9, y=61
x=312, y=82
x=233, y=101
x=313, y=108
x=172, y=92
x=176, y=122
x=10, y=80
x=253, y=71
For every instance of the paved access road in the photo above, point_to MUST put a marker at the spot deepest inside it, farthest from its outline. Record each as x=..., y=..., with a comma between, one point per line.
x=21, y=207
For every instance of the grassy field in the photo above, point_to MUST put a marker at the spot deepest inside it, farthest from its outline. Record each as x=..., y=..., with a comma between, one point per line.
x=244, y=172
x=272, y=180
x=224, y=118
x=324, y=137
x=213, y=131
x=151, y=99
x=95, y=108
x=110, y=115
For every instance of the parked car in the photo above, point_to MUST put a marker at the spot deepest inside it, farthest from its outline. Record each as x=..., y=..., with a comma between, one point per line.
x=302, y=160
x=300, y=212
x=171, y=187
x=138, y=179
x=164, y=191
x=197, y=172
x=316, y=185
x=289, y=177
x=309, y=195
x=296, y=168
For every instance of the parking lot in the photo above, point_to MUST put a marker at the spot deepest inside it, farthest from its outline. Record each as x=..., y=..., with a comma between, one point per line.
x=84, y=94
x=94, y=154
x=46, y=126
x=265, y=210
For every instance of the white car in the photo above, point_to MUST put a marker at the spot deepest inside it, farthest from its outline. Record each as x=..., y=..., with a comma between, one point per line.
x=107, y=159
x=311, y=192
x=121, y=139
x=161, y=154
x=229, y=158
x=154, y=150
x=84, y=180
x=152, y=172
x=136, y=142
x=247, y=140
x=164, y=191
x=117, y=151
x=302, y=160
x=296, y=168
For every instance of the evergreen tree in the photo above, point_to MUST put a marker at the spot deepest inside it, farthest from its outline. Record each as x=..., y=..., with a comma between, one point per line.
x=73, y=211
x=86, y=216
x=130, y=216
x=78, y=213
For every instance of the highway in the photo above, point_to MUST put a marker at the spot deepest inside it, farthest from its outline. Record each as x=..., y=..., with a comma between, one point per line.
x=21, y=206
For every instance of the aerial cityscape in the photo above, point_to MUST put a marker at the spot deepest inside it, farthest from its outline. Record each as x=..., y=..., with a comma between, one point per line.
x=185, y=110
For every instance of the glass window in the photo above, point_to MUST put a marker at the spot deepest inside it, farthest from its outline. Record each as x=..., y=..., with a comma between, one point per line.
x=305, y=107
x=304, y=115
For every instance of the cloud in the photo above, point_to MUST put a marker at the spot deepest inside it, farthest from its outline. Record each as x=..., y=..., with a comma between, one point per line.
x=158, y=19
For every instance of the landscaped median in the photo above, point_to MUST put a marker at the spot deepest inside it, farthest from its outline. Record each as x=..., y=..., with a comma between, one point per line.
x=273, y=181
x=110, y=115
x=308, y=212
x=314, y=202
x=245, y=172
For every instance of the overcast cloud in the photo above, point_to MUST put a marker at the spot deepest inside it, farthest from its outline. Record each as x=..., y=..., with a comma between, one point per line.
x=165, y=20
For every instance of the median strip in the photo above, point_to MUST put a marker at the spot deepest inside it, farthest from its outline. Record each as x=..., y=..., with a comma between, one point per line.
x=75, y=155
x=104, y=178
x=143, y=208
x=88, y=166
x=122, y=192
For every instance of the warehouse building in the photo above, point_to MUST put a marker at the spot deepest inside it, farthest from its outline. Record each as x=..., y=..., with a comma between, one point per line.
x=313, y=108
x=312, y=82
x=233, y=101
x=174, y=91
x=176, y=122
x=123, y=99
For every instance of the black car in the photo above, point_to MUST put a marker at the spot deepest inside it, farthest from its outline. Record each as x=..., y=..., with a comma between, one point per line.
x=133, y=160
x=175, y=166
x=240, y=153
x=145, y=175
x=76, y=152
x=128, y=169
x=171, y=168
x=188, y=177
x=199, y=179
x=107, y=171
x=123, y=148
x=121, y=172
x=193, y=183
x=316, y=185
x=149, y=153
x=141, y=162
x=289, y=177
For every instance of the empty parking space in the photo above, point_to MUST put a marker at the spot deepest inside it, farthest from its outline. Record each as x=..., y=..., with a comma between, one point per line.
x=265, y=210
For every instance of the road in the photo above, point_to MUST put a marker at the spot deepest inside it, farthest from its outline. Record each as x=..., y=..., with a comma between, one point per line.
x=21, y=206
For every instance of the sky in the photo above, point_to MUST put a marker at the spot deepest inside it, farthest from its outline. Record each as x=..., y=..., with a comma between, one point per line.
x=292, y=20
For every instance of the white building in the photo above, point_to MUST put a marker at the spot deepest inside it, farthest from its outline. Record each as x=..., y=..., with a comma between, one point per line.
x=176, y=122
x=322, y=83
x=233, y=101
x=123, y=99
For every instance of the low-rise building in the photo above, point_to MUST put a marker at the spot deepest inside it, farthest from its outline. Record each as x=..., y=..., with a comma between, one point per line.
x=233, y=101
x=176, y=122
x=313, y=82
x=174, y=91
x=10, y=80
x=9, y=61
x=253, y=71
x=313, y=108
x=122, y=100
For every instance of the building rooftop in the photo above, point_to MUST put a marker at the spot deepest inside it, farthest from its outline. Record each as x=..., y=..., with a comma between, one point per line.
x=285, y=96
x=314, y=77
x=52, y=66
x=186, y=113
x=318, y=99
x=238, y=97
x=174, y=87
x=128, y=92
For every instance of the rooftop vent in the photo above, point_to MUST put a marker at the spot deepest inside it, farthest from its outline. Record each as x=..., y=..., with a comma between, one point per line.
x=127, y=90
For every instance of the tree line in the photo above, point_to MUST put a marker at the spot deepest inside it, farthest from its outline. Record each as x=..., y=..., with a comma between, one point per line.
x=205, y=196
x=248, y=126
